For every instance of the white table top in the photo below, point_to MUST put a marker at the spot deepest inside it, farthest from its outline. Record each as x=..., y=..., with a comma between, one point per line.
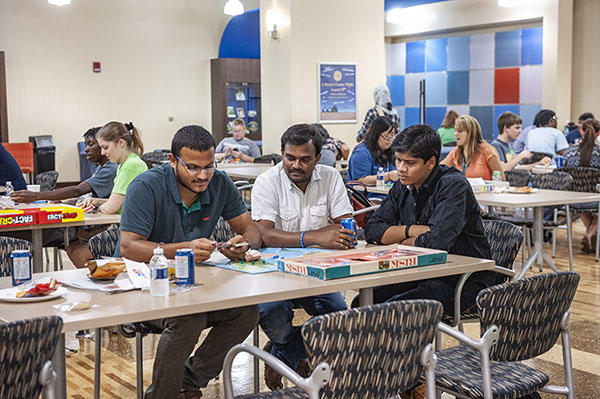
x=220, y=289
x=538, y=198
x=248, y=171
x=228, y=165
x=375, y=190
x=540, y=170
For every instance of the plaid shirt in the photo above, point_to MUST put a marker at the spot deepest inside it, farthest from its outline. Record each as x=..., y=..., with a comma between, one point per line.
x=370, y=117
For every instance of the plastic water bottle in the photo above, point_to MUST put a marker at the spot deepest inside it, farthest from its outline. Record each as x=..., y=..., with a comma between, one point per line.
x=380, y=178
x=9, y=188
x=159, y=272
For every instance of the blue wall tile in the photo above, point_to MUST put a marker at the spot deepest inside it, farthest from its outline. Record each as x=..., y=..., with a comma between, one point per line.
x=485, y=116
x=528, y=112
x=435, y=55
x=458, y=87
x=498, y=110
x=531, y=46
x=507, y=48
x=415, y=57
x=411, y=116
x=396, y=86
x=435, y=88
x=434, y=116
x=458, y=53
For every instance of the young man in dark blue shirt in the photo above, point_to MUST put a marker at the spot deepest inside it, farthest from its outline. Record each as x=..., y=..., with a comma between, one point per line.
x=430, y=206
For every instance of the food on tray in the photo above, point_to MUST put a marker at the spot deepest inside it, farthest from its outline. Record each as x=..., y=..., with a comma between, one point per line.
x=105, y=270
x=42, y=289
x=524, y=189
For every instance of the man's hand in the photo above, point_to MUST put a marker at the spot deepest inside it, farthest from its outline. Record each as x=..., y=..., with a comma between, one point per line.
x=202, y=248
x=24, y=196
x=416, y=230
x=335, y=237
x=228, y=151
x=235, y=253
x=525, y=154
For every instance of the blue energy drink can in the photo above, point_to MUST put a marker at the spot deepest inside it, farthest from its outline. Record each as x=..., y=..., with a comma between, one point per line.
x=349, y=224
x=20, y=266
x=184, y=266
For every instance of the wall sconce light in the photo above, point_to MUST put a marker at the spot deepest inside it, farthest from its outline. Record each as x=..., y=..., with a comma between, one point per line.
x=59, y=3
x=273, y=22
x=233, y=7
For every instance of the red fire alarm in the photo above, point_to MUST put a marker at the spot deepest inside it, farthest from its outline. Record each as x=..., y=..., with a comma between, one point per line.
x=96, y=67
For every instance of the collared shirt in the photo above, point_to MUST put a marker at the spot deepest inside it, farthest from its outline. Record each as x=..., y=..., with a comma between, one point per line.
x=446, y=203
x=102, y=179
x=153, y=207
x=276, y=198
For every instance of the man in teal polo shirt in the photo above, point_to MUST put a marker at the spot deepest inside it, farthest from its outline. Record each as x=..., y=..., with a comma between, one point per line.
x=178, y=204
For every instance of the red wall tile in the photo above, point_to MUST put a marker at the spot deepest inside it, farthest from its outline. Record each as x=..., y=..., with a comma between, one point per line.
x=506, y=86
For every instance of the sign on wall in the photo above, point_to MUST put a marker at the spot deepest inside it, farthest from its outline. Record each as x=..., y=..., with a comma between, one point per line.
x=337, y=92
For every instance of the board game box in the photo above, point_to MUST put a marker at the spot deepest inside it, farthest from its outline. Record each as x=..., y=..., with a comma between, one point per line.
x=45, y=214
x=327, y=266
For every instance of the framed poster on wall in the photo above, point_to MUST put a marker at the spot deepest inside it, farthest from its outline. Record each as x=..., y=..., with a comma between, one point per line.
x=337, y=92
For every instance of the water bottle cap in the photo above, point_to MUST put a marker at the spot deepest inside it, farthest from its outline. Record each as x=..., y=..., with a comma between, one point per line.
x=158, y=251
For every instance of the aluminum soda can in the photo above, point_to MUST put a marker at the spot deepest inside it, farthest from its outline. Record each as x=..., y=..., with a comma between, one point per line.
x=20, y=266
x=349, y=224
x=184, y=266
x=560, y=160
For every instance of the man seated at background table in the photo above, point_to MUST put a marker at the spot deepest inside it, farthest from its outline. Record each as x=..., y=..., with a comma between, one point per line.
x=292, y=204
x=178, y=204
x=237, y=146
x=430, y=206
x=546, y=138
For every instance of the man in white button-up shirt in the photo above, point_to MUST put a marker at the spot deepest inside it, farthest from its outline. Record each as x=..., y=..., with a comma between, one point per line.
x=293, y=204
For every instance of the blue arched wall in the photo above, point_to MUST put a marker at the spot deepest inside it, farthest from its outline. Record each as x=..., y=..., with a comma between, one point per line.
x=241, y=38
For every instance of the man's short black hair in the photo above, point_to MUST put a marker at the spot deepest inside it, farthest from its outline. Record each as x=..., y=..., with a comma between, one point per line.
x=301, y=134
x=585, y=115
x=420, y=141
x=91, y=133
x=543, y=117
x=193, y=137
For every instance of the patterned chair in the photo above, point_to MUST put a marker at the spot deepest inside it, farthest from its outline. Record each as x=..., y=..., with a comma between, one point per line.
x=517, y=177
x=105, y=242
x=7, y=245
x=519, y=320
x=373, y=351
x=47, y=180
x=505, y=241
x=26, y=347
x=155, y=158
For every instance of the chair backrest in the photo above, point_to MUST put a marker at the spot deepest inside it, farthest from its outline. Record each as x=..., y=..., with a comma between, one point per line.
x=584, y=179
x=223, y=231
x=528, y=313
x=505, y=241
x=7, y=245
x=517, y=177
x=25, y=346
x=23, y=154
x=47, y=180
x=553, y=181
x=374, y=351
x=155, y=158
x=105, y=242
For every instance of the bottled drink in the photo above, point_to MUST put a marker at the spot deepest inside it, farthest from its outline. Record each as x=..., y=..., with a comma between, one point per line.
x=159, y=273
x=380, y=178
x=496, y=175
x=9, y=188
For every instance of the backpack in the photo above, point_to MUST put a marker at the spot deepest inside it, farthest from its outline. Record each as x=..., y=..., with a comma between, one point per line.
x=357, y=192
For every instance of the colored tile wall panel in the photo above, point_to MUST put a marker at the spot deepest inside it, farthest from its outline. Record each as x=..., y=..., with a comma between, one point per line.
x=411, y=116
x=531, y=46
x=458, y=87
x=530, y=84
x=485, y=116
x=396, y=85
x=458, y=53
x=498, y=110
x=506, y=86
x=461, y=109
x=482, y=51
x=434, y=116
x=435, y=55
x=528, y=112
x=396, y=59
x=411, y=89
x=415, y=57
x=481, y=87
x=507, y=48
x=435, y=88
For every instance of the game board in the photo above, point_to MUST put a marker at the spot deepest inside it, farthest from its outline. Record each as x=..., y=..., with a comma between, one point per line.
x=361, y=261
x=268, y=262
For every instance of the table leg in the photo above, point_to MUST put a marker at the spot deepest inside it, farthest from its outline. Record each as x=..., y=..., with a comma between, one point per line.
x=538, y=256
x=59, y=364
x=97, y=348
x=256, y=343
x=38, y=258
x=366, y=296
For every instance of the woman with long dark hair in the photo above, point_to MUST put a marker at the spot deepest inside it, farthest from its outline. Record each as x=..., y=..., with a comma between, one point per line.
x=586, y=154
x=373, y=153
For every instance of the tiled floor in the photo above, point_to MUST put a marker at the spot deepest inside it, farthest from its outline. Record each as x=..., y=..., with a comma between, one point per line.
x=118, y=364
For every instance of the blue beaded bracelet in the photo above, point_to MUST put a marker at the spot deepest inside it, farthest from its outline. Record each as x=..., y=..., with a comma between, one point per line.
x=302, y=239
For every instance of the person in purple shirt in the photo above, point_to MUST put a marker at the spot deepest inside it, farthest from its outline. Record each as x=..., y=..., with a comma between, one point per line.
x=10, y=170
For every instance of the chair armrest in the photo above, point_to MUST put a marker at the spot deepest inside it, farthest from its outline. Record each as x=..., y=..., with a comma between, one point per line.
x=46, y=379
x=240, y=182
x=245, y=187
x=505, y=271
x=365, y=210
x=457, y=295
x=320, y=376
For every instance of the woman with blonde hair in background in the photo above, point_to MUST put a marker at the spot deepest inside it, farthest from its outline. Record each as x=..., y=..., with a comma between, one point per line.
x=446, y=130
x=120, y=143
x=472, y=155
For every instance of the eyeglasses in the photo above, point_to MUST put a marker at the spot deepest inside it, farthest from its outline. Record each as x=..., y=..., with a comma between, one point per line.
x=388, y=137
x=197, y=169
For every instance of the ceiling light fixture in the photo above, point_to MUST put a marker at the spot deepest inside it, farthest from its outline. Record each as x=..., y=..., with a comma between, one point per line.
x=508, y=3
x=233, y=7
x=59, y=3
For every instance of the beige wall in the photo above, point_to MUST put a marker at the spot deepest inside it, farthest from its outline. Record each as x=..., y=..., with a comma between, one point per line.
x=586, y=58
x=155, y=64
x=318, y=31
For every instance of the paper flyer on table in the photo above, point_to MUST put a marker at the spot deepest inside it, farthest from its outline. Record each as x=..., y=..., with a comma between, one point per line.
x=138, y=272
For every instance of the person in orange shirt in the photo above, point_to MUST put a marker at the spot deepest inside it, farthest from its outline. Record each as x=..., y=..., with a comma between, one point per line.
x=472, y=155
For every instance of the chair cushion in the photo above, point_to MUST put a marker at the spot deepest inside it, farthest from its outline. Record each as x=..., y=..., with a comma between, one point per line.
x=459, y=370
x=289, y=393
